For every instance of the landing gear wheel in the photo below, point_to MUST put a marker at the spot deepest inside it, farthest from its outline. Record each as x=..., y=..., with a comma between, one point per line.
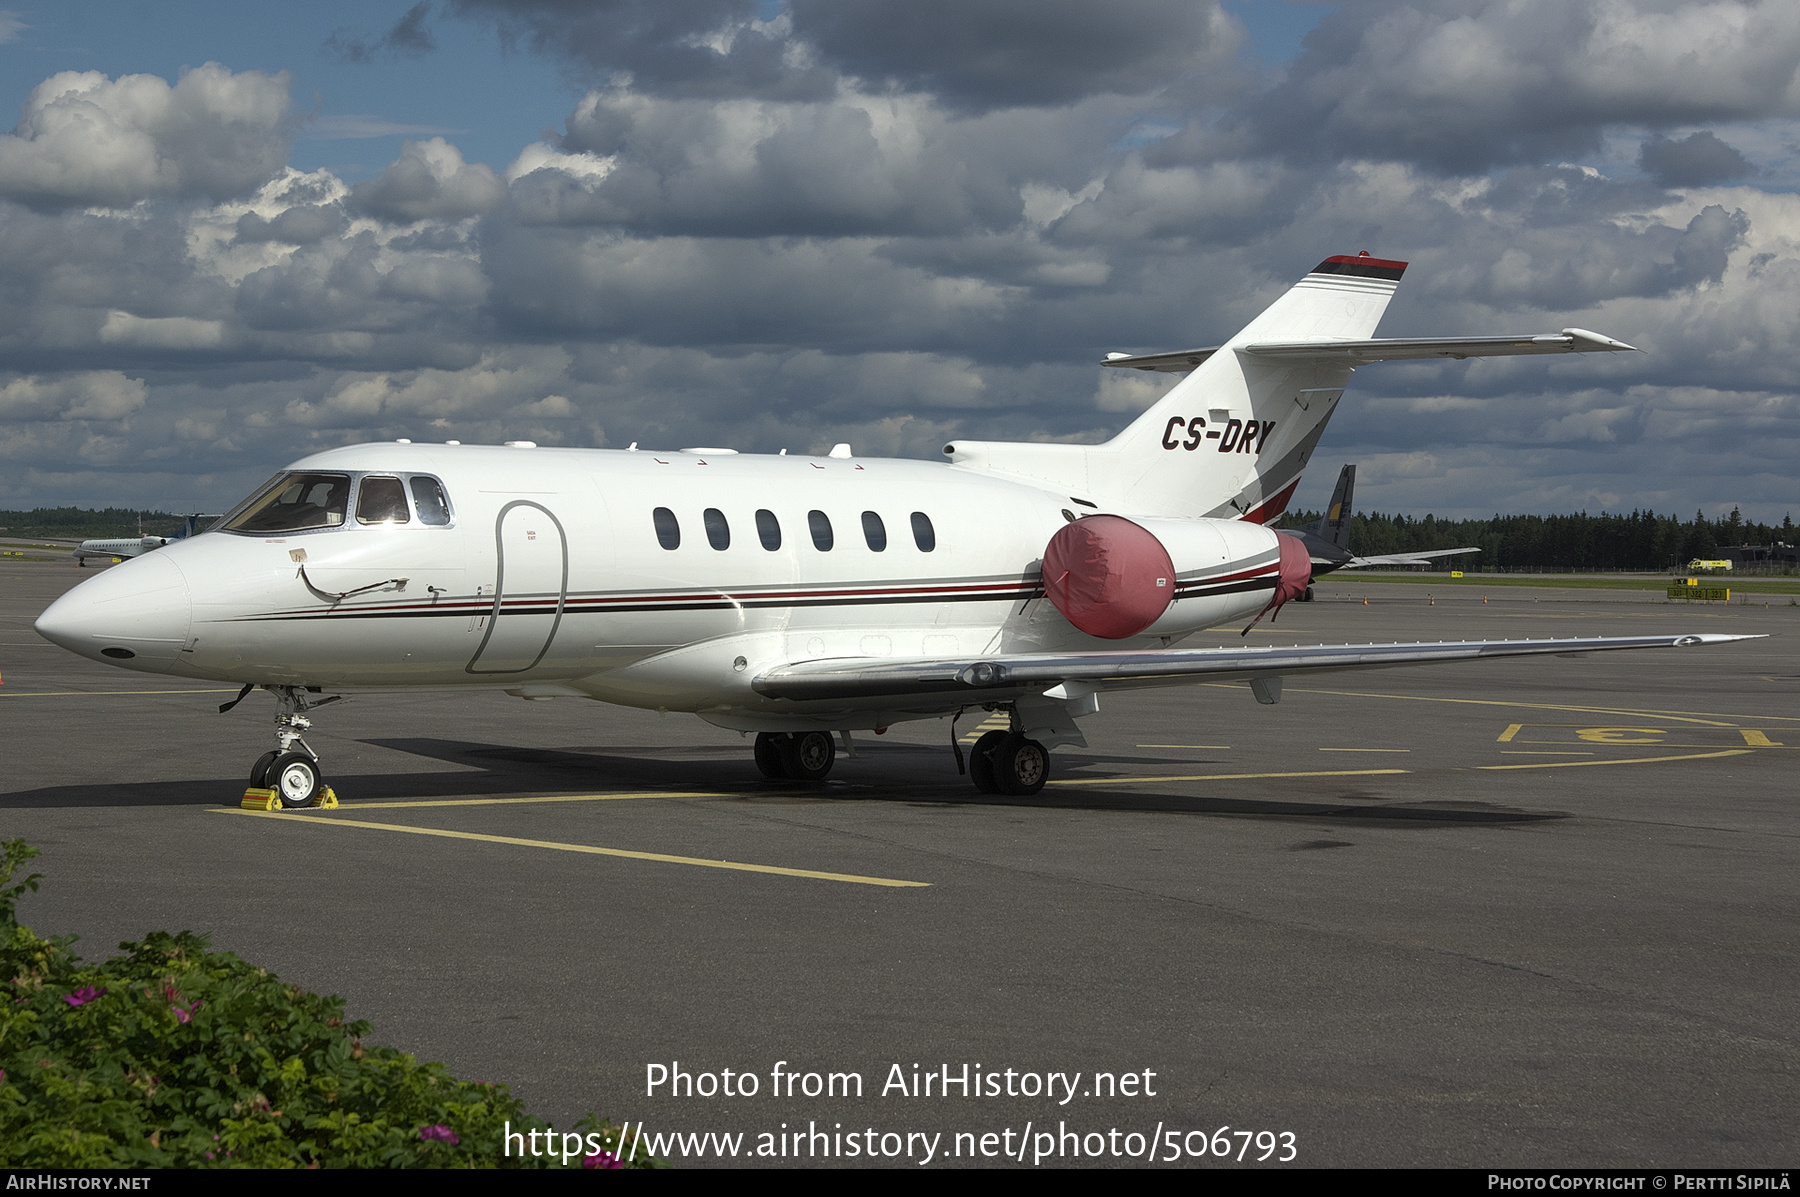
x=768, y=755
x=1021, y=766
x=808, y=756
x=295, y=779
x=259, y=772
x=981, y=762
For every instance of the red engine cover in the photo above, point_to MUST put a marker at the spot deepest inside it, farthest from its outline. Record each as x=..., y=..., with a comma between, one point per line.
x=1108, y=576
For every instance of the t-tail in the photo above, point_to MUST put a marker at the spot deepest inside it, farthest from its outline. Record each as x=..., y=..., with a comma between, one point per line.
x=1231, y=440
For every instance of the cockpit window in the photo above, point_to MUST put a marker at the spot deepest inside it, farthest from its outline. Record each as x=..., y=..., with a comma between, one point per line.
x=428, y=498
x=381, y=501
x=294, y=503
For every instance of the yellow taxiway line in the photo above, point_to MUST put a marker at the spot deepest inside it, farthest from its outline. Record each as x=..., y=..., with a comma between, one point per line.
x=1125, y=781
x=348, y=806
x=1637, y=760
x=324, y=820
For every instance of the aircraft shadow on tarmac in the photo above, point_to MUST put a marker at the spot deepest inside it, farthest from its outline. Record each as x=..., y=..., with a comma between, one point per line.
x=908, y=773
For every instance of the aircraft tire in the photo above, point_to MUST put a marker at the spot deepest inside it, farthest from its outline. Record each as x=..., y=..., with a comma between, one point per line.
x=1021, y=766
x=295, y=779
x=259, y=772
x=808, y=756
x=769, y=756
x=981, y=762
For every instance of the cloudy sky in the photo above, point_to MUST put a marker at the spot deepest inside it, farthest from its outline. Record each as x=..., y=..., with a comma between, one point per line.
x=232, y=234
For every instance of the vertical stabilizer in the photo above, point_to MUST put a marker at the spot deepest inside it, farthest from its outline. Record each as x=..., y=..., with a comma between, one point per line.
x=1231, y=439
x=1334, y=526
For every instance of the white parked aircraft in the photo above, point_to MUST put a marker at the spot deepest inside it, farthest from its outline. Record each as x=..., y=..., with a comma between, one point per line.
x=134, y=546
x=794, y=596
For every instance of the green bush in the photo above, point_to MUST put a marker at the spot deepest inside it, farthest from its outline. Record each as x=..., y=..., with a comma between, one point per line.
x=176, y=1056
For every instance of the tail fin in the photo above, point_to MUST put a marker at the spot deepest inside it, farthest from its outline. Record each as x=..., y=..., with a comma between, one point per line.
x=1334, y=526
x=1231, y=439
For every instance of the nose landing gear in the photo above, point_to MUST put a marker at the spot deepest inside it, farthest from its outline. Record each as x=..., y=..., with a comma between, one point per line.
x=289, y=778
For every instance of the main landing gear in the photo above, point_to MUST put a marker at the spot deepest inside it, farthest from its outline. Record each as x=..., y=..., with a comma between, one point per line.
x=291, y=773
x=1005, y=762
x=796, y=756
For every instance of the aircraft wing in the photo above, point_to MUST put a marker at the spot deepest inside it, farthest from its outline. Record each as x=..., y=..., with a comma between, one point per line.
x=1570, y=340
x=978, y=679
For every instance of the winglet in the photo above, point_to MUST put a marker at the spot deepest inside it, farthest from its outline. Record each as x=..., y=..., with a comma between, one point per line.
x=1588, y=342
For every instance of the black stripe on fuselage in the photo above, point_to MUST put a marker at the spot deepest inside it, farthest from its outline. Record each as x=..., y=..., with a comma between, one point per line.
x=602, y=605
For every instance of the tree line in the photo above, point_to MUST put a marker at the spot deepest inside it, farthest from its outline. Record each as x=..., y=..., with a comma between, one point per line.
x=80, y=523
x=1642, y=540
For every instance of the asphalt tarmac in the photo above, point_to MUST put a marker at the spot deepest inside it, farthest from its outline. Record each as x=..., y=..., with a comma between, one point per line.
x=1533, y=913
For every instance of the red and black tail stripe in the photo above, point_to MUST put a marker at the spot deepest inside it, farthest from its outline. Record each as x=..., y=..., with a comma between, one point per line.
x=1360, y=267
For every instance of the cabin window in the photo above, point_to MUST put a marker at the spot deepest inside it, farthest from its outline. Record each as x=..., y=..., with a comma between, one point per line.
x=924, y=535
x=668, y=531
x=768, y=529
x=381, y=500
x=718, y=532
x=820, y=523
x=429, y=502
x=295, y=503
x=875, y=532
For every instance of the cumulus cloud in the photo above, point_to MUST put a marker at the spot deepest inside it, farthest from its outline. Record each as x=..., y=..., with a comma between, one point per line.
x=86, y=395
x=1007, y=53
x=698, y=48
x=85, y=139
x=429, y=181
x=1464, y=85
x=1697, y=160
x=798, y=227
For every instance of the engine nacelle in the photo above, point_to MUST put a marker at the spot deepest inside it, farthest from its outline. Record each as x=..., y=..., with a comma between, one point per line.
x=1116, y=578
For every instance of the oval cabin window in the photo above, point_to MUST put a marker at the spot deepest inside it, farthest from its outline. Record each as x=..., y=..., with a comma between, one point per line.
x=874, y=531
x=768, y=529
x=924, y=535
x=820, y=523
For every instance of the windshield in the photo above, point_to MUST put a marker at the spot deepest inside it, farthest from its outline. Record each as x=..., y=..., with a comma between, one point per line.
x=295, y=502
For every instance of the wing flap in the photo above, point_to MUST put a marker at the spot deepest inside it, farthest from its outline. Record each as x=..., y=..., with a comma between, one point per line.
x=1002, y=678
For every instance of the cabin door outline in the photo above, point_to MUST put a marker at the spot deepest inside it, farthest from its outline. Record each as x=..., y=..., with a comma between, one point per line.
x=531, y=566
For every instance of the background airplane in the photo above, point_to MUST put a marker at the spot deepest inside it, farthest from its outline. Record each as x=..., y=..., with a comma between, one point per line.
x=1327, y=539
x=139, y=545
x=800, y=598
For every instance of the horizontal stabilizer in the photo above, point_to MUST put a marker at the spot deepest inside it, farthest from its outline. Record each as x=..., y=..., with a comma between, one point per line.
x=975, y=680
x=1386, y=349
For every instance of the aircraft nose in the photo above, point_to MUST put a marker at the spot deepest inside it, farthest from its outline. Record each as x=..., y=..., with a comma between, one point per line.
x=136, y=614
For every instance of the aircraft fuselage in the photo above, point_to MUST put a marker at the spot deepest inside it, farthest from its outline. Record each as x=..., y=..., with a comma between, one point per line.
x=658, y=580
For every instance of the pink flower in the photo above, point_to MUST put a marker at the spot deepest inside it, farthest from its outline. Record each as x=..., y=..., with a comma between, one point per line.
x=84, y=995
x=440, y=1132
x=602, y=1159
x=185, y=1014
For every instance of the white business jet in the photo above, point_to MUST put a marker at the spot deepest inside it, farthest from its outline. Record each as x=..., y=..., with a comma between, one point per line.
x=795, y=597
